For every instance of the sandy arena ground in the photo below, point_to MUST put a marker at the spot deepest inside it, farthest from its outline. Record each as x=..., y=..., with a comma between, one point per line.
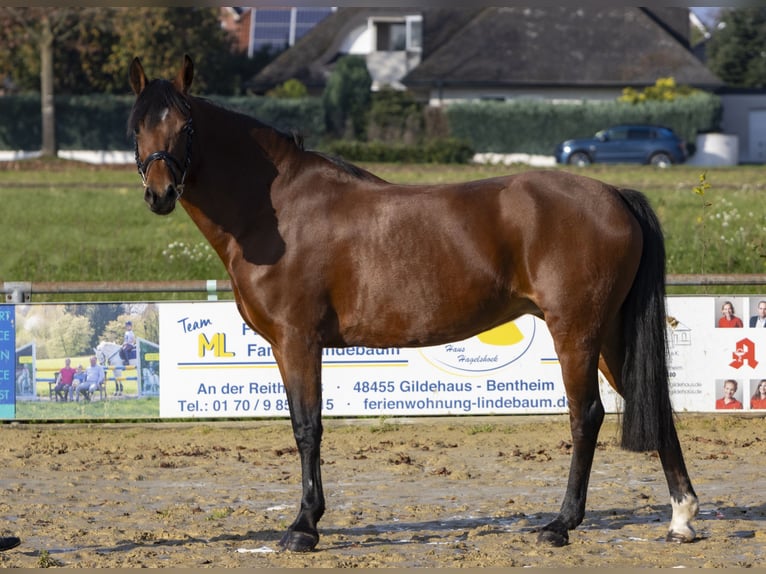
x=455, y=492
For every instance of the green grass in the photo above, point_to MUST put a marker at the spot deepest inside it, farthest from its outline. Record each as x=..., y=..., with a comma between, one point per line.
x=133, y=408
x=66, y=221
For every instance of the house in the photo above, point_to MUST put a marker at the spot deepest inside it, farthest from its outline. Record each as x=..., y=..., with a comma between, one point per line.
x=499, y=53
x=554, y=53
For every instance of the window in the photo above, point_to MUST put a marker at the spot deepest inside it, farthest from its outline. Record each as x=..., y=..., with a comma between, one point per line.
x=415, y=33
x=391, y=37
x=282, y=27
x=639, y=134
x=398, y=35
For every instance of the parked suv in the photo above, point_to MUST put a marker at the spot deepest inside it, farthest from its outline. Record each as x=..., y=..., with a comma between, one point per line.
x=655, y=145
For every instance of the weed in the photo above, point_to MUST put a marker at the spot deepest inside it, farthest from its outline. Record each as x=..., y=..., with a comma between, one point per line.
x=700, y=190
x=220, y=513
x=478, y=429
x=47, y=561
x=384, y=426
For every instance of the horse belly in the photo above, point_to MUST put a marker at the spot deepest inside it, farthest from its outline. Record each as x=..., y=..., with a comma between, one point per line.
x=423, y=309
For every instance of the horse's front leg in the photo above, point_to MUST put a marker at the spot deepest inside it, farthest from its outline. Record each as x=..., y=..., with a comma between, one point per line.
x=301, y=373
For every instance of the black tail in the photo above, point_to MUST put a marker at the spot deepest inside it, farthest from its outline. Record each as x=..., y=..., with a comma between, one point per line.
x=647, y=419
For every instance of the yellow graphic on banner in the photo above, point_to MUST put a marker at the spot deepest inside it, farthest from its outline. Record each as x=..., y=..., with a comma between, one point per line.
x=502, y=335
x=216, y=344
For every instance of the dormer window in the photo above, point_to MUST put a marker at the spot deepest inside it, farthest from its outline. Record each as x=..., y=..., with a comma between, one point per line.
x=398, y=34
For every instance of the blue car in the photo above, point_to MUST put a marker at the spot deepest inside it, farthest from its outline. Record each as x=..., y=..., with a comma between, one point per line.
x=647, y=144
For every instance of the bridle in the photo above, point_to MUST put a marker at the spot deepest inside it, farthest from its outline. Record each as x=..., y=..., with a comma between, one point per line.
x=172, y=162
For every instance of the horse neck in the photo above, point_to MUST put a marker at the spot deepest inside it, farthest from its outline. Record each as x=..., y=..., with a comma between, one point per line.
x=235, y=162
x=234, y=142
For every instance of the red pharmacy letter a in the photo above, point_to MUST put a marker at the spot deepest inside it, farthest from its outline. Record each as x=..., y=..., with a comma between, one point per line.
x=744, y=353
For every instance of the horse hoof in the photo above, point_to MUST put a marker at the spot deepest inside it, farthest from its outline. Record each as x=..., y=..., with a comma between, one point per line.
x=553, y=535
x=299, y=541
x=8, y=542
x=680, y=537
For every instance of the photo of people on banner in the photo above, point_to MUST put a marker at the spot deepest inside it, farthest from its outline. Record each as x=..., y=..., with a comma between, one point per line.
x=749, y=314
x=95, y=360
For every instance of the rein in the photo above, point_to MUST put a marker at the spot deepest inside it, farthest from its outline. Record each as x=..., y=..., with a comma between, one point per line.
x=172, y=162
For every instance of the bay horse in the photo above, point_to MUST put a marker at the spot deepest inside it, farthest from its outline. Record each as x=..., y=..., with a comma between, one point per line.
x=322, y=253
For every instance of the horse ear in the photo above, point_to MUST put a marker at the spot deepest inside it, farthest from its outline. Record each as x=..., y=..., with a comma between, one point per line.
x=137, y=76
x=185, y=75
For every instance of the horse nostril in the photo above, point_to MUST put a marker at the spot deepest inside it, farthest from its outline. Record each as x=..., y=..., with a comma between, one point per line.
x=149, y=196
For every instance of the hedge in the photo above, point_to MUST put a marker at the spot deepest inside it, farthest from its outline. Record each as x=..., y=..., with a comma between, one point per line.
x=434, y=151
x=98, y=122
x=525, y=126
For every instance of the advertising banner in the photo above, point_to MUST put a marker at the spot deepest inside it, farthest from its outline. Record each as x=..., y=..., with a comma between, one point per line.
x=221, y=368
x=717, y=363
x=200, y=360
x=7, y=362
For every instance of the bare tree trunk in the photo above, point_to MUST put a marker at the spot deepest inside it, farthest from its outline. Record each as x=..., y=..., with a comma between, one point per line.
x=49, y=147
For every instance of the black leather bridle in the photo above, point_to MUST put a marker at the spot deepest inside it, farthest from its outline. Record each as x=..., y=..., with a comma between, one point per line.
x=178, y=172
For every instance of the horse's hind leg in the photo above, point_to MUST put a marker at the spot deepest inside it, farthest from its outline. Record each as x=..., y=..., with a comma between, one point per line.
x=586, y=413
x=301, y=374
x=683, y=499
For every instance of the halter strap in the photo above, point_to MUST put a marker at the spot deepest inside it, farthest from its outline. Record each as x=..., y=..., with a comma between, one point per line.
x=170, y=161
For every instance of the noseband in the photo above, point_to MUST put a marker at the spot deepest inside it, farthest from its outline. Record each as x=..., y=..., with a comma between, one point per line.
x=173, y=164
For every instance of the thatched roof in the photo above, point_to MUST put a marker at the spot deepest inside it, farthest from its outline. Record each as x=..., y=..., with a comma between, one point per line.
x=590, y=46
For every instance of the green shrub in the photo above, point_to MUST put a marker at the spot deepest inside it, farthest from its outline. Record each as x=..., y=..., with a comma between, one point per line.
x=302, y=115
x=346, y=97
x=20, y=123
x=433, y=151
x=524, y=126
x=395, y=116
x=292, y=88
x=98, y=122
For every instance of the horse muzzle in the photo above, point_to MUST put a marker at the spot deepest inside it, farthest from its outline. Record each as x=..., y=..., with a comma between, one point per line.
x=164, y=203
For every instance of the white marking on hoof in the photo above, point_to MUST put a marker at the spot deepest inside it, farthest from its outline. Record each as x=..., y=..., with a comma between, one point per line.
x=680, y=524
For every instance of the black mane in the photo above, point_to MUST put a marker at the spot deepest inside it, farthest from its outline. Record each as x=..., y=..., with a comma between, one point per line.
x=161, y=94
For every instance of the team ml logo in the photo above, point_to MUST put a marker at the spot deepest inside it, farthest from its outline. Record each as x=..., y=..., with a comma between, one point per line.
x=487, y=352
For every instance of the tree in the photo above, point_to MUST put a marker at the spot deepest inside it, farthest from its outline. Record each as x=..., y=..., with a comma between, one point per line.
x=160, y=36
x=737, y=50
x=346, y=97
x=56, y=332
x=39, y=30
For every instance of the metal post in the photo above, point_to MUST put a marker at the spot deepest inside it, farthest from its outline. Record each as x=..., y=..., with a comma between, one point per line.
x=212, y=290
x=17, y=291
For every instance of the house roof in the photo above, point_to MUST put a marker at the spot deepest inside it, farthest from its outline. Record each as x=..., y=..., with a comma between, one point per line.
x=589, y=46
x=309, y=58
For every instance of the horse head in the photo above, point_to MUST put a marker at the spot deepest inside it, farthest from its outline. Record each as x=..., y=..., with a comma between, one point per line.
x=105, y=352
x=161, y=124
